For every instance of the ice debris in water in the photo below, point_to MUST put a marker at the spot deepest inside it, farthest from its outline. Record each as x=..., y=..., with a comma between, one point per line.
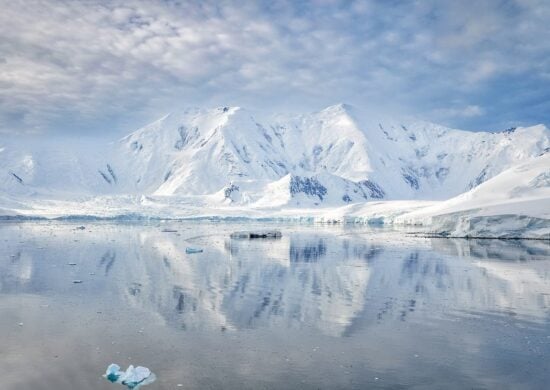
x=113, y=372
x=258, y=234
x=133, y=377
x=193, y=250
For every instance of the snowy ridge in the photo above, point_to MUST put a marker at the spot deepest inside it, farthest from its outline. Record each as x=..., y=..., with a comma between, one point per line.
x=333, y=163
x=515, y=203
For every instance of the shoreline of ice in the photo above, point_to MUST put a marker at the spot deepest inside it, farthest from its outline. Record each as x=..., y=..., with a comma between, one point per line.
x=513, y=204
x=399, y=215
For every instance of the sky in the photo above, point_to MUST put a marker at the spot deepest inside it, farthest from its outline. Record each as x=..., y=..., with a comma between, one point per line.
x=109, y=67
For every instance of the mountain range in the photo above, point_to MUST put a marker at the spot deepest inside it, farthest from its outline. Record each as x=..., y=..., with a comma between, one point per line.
x=229, y=157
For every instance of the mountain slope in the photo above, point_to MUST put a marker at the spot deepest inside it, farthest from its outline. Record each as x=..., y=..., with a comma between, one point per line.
x=45, y=168
x=512, y=203
x=202, y=151
x=225, y=156
x=198, y=152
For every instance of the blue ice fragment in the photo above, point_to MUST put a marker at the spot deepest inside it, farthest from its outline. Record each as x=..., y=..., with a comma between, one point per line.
x=113, y=372
x=193, y=250
x=133, y=377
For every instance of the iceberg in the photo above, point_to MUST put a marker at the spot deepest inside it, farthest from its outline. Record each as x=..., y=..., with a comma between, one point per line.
x=256, y=234
x=113, y=372
x=133, y=377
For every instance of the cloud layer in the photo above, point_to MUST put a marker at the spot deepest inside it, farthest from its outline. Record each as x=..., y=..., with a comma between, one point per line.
x=108, y=66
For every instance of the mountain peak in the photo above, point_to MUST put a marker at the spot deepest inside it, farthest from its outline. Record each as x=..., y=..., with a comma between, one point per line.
x=197, y=151
x=339, y=108
x=228, y=109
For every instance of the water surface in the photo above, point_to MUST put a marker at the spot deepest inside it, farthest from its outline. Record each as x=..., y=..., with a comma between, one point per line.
x=320, y=308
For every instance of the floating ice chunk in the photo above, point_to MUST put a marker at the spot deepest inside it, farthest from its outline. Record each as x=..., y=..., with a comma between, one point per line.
x=113, y=372
x=193, y=250
x=259, y=234
x=133, y=377
x=136, y=376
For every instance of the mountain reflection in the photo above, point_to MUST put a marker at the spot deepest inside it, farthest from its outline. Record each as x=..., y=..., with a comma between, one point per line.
x=306, y=251
x=334, y=283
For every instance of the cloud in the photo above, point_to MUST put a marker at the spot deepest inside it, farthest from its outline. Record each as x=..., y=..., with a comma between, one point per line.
x=462, y=112
x=109, y=66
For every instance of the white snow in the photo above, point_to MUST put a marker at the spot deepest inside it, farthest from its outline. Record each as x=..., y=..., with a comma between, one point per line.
x=515, y=203
x=334, y=165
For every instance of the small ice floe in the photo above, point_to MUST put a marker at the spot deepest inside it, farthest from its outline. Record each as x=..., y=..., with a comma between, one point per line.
x=249, y=235
x=133, y=377
x=193, y=250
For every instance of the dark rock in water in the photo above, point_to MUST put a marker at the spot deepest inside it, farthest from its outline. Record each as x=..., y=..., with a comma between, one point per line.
x=169, y=231
x=273, y=234
x=80, y=227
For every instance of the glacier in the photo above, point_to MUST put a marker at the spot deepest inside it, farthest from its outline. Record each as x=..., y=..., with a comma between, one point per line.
x=338, y=165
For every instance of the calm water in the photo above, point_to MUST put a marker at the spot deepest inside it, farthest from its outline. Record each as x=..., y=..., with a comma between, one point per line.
x=318, y=309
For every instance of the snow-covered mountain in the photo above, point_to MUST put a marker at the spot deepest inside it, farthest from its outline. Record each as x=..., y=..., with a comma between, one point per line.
x=512, y=203
x=227, y=156
x=335, y=156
